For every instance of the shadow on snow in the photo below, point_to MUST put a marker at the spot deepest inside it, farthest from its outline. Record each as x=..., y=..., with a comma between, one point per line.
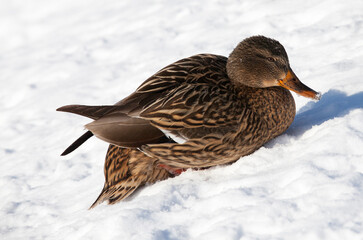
x=333, y=104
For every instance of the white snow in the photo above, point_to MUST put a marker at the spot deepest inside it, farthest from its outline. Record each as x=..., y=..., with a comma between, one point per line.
x=306, y=184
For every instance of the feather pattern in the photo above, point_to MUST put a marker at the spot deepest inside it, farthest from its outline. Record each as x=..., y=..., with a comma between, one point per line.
x=221, y=108
x=125, y=171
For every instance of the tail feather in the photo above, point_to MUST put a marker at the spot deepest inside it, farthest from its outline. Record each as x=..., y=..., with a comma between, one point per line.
x=113, y=126
x=125, y=171
x=94, y=112
x=77, y=143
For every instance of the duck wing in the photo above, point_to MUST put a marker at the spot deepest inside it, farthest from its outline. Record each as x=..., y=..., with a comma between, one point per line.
x=192, y=99
x=194, y=92
x=125, y=131
x=114, y=127
x=188, y=99
x=200, y=105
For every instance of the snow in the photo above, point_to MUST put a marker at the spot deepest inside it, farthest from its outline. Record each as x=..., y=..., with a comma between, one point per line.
x=305, y=184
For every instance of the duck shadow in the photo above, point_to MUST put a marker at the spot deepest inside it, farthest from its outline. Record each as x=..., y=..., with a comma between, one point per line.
x=333, y=104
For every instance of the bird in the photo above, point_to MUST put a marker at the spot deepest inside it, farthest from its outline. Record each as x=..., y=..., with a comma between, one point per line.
x=199, y=112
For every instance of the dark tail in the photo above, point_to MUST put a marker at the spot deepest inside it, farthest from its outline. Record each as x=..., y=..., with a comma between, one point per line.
x=94, y=112
x=77, y=143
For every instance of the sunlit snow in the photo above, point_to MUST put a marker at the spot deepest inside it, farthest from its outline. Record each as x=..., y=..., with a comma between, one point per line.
x=305, y=184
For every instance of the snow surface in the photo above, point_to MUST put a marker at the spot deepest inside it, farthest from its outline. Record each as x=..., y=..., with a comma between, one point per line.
x=306, y=184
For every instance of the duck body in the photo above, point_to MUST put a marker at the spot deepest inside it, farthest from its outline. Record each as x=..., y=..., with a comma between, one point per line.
x=218, y=121
x=192, y=114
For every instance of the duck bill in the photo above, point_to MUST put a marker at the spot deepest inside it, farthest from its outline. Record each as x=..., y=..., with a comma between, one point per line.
x=291, y=82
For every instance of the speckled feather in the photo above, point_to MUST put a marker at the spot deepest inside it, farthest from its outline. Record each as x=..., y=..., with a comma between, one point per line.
x=222, y=123
x=221, y=110
x=125, y=170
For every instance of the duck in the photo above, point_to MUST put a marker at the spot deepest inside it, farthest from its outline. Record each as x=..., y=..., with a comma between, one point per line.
x=199, y=112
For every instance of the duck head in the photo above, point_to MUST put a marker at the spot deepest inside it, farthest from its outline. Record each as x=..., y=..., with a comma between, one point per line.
x=262, y=62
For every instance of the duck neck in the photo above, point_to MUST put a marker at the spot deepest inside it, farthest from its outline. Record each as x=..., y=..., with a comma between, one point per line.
x=275, y=105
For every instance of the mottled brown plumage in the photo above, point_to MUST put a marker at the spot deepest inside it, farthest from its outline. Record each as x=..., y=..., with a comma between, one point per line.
x=198, y=112
x=125, y=170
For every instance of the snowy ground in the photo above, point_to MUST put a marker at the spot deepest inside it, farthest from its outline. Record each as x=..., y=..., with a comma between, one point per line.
x=306, y=184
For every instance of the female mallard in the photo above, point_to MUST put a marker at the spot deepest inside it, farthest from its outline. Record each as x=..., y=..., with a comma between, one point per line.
x=198, y=112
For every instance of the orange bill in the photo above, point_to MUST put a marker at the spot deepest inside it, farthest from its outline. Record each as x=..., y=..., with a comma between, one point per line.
x=292, y=83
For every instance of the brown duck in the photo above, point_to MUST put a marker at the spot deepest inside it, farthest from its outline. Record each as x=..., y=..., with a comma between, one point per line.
x=198, y=112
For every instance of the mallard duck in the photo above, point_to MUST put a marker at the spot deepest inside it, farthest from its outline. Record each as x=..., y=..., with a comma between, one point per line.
x=199, y=112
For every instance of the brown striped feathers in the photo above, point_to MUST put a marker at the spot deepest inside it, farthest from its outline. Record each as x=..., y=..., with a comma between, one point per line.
x=198, y=112
x=125, y=170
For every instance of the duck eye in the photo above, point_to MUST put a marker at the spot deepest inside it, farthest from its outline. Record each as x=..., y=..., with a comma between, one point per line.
x=271, y=59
